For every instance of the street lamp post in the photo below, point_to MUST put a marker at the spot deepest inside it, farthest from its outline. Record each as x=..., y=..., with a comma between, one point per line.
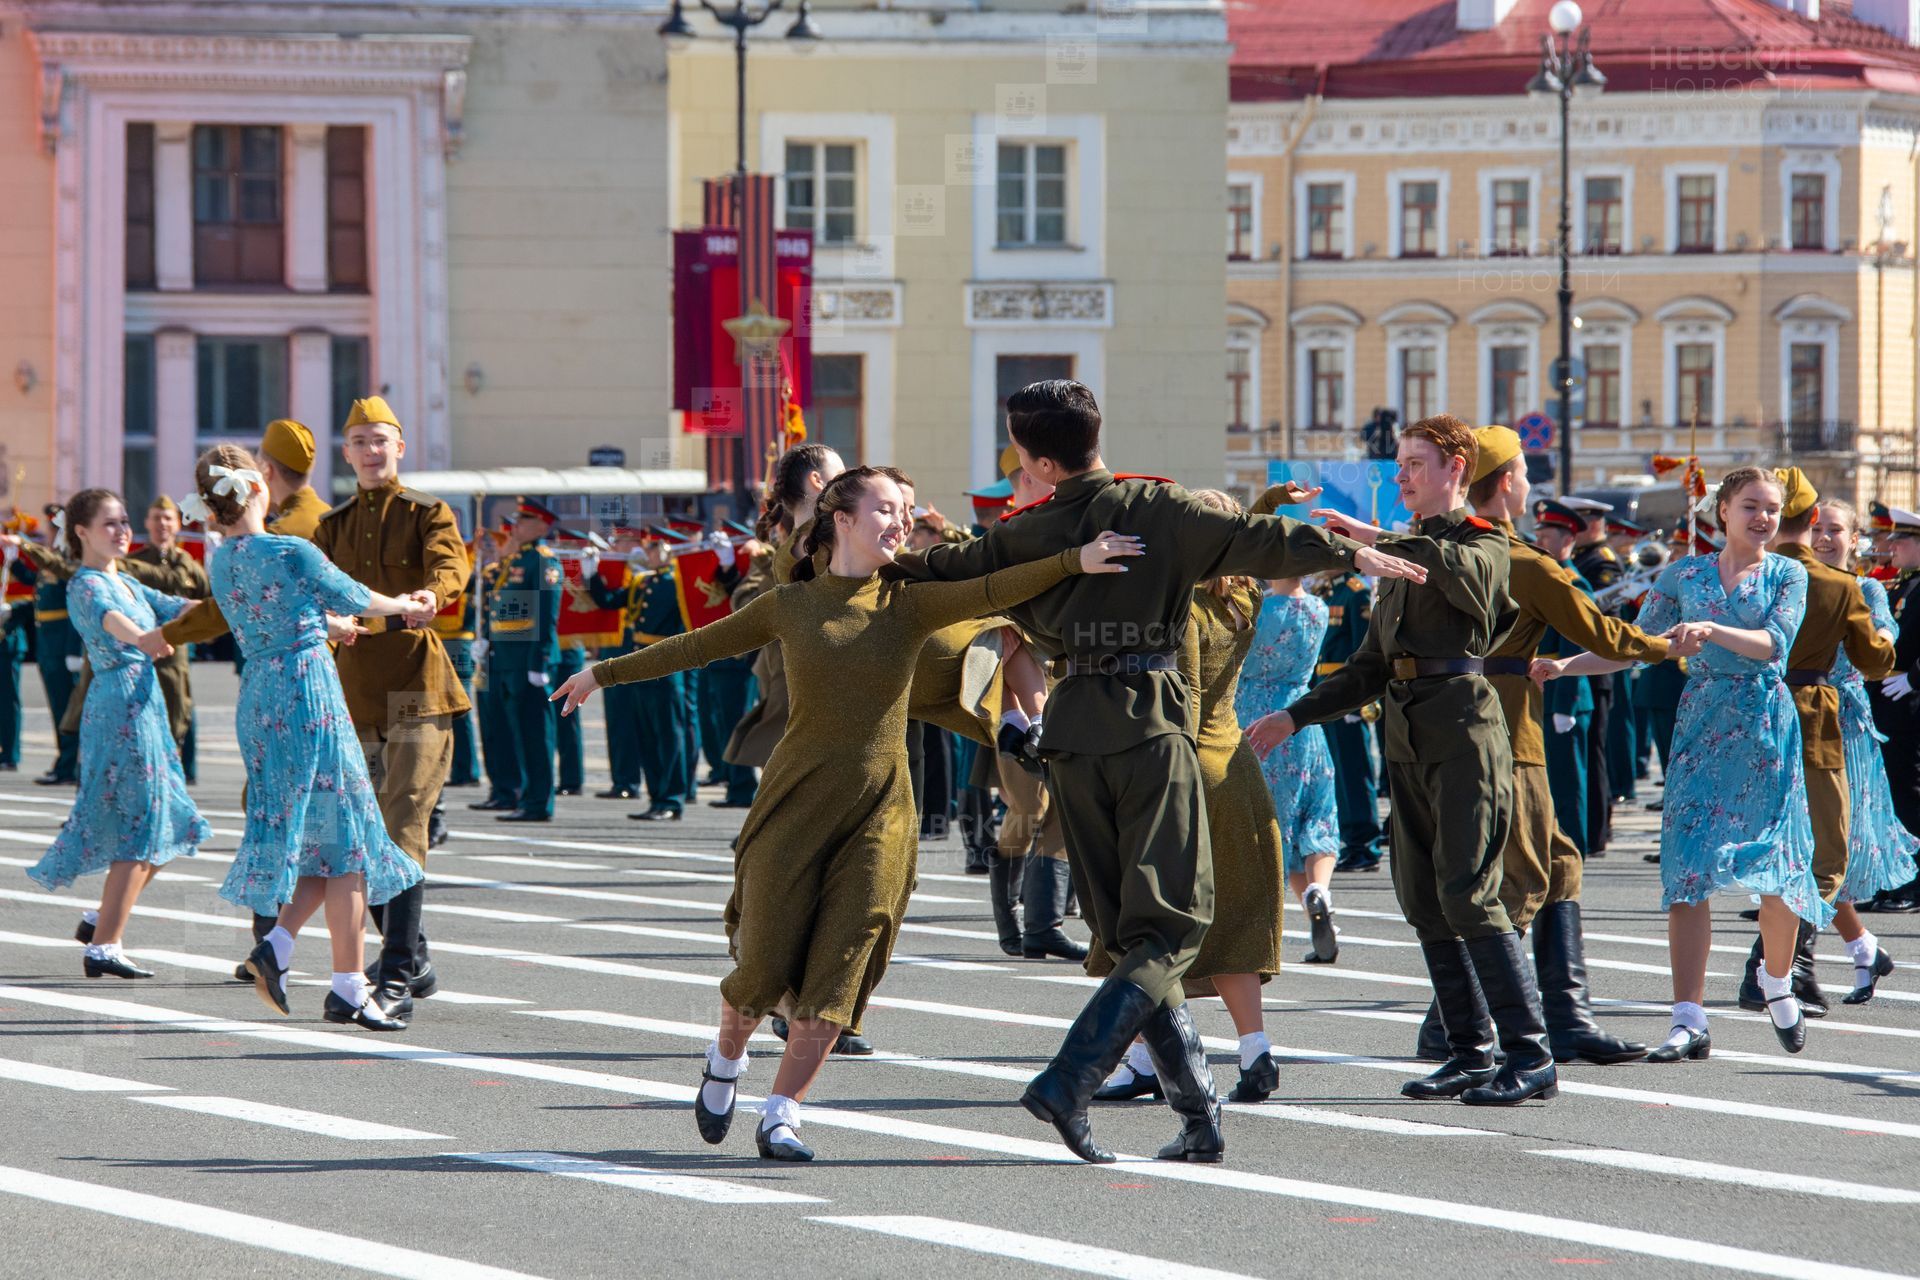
x=740, y=19
x=1566, y=71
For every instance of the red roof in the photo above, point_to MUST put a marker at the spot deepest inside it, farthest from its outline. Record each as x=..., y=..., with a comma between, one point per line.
x=1286, y=49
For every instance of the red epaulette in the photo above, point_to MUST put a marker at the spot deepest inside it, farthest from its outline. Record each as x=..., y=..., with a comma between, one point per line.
x=1478, y=523
x=1883, y=573
x=1129, y=475
x=1008, y=515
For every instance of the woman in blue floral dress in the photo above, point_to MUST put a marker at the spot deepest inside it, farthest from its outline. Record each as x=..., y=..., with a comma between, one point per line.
x=132, y=815
x=1299, y=772
x=1736, y=813
x=314, y=832
x=1880, y=851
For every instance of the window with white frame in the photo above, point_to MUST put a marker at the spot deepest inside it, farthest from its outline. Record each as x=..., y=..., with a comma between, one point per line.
x=1419, y=382
x=821, y=186
x=1419, y=210
x=1512, y=214
x=1327, y=387
x=1242, y=234
x=1507, y=381
x=1806, y=383
x=1326, y=220
x=1694, y=208
x=1693, y=382
x=1604, y=203
x=1810, y=382
x=1605, y=400
x=1809, y=200
x=1031, y=182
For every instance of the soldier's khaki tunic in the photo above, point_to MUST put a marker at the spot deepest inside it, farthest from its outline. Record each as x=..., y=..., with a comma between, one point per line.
x=178, y=574
x=296, y=517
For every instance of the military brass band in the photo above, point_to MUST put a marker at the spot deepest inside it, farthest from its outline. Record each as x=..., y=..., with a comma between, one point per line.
x=1190, y=712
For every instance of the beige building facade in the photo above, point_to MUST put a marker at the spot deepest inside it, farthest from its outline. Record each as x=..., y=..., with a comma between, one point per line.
x=1745, y=256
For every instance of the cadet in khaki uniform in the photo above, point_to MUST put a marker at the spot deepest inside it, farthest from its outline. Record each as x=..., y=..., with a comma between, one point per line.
x=1451, y=766
x=401, y=689
x=176, y=574
x=1837, y=616
x=1120, y=753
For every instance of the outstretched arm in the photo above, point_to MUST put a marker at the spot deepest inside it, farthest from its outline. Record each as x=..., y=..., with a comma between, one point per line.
x=737, y=633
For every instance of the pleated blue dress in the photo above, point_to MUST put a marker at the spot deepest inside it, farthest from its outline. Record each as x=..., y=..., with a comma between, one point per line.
x=310, y=806
x=1880, y=852
x=1736, y=798
x=1299, y=772
x=133, y=804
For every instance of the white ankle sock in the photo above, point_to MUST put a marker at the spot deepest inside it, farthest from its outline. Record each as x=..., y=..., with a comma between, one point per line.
x=351, y=987
x=1689, y=1015
x=777, y=1113
x=282, y=943
x=1863, y=949
x=1015, y=717
x=91, y=917
x=1140, y=1060
x=1252, y=1045
x=717, y=1096
x=103, y=951
x=1783, y=1012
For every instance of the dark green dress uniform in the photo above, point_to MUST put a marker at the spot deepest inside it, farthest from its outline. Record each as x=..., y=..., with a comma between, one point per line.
x=16, y=642
x=497, y=752
x=1899, y=720
x=523, y=624
x=1601, y=567
x=456, y=636
x=1350, y=738
x=726, y=691
x=1569, y=754
x=175, y=573
x=667, y=734
x=568, y=742
x=56, y=649
x=623, y=760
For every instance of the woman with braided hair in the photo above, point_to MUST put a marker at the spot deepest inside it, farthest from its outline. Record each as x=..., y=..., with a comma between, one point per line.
x=825, y=859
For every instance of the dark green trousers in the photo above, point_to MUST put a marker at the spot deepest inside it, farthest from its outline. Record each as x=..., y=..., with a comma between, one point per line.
x=465, y=770
x=726, y=690
x=1448, y=826
x=51, y=653
x=1568, y=758
x=1355, y=798
x=496, y=742
x=660, y=708
x=1136, y=829
x=567, y=739
x=533, y=734
x=623, y=733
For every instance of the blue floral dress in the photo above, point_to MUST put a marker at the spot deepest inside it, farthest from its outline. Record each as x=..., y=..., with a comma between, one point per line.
x=1736, y=799
x=1286, y=645
x=310, y=806
x=133, y=804
x=1879, y=850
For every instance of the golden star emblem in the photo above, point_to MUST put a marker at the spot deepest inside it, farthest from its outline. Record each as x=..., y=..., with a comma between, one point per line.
x=715, y=595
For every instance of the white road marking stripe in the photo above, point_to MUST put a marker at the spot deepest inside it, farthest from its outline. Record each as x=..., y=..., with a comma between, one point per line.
x=1592, y=1234
x=1816, y=1065
x=490, y=913
x=61, y=1078
x=651, y=931
x=633, y=1178
x=292, y=1118
x=243, y=1228
x=586, y=846
x=1043, y=1250
x=545, y=864
x=1767, y=1179
x=443, y=996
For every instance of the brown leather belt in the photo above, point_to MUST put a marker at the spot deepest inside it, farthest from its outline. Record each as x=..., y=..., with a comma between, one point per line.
x=1115, y=664
x=1805, y=678
x=1418, y=668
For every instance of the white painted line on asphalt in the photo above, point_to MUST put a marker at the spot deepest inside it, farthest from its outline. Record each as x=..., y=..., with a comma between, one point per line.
x=1592, y=1234
x=78, y=1081
x=633, y=1178
x=1765, y=1179
x=1816, y=1065
x=545, y=864
x=651, y=931
x=1043, y=1250
x=444, y=996
x=243, y=1228
x=490, y=913
x=292, y=1118
x=583, y=846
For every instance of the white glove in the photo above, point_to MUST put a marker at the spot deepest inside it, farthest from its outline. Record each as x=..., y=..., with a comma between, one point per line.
x=479, y=652
x=722, y=547
x=589, y=561
x=1562, y=724
x=538, y=679
x=1894, y=686
x=74, y=662
x=1353, y=718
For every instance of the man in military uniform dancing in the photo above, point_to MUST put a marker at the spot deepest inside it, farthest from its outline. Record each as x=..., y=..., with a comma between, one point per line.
x=1896, y=709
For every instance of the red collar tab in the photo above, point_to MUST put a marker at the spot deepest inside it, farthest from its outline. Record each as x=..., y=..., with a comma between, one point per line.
x=1130, y=475
x=1008, y=515
x=1479, y=523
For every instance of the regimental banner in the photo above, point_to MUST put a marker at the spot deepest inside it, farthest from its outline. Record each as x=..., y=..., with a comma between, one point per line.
x=581, y=621
x=1363, y=489
x=695, y=581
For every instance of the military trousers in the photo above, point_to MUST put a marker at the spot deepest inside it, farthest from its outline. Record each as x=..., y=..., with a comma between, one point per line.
x=534, y=734
x=1539, y=865
x=1449, y=825
x=407, y=764
x=623, y=735
x=690, y=729
x=58, y=683
x=566, y=731
x=1599, y=782
x=660, y=712
x=465, y=770
x=1828, y=805
x=1623, y=738
x=10, y=703
x=725, y=693
x=496, y=742
x=1355, y=786
x=1032, y=821
x=1136, y=829
x=1569, y=766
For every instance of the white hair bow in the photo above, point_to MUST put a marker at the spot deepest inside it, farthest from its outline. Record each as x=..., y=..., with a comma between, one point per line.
x=240, y=482
x=60, y=522
x=193, y=507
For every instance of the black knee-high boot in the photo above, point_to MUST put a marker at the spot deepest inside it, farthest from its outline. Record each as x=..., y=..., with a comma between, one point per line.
x=1560, y=957
x=1463, y=1014
x=1093, y=1047
x=1003, y=881
x=1513, y=1002
x=1178, y=1056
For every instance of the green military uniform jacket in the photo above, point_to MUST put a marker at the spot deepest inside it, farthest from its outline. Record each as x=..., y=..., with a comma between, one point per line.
x=176, y=574
x=523, y=613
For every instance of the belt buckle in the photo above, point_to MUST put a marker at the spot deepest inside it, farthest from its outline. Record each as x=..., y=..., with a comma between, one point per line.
x=1108, y=664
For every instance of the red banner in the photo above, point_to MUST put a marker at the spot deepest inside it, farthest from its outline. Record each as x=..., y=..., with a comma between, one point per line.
x=707, y=381
x=702, y=599
x=581, y=620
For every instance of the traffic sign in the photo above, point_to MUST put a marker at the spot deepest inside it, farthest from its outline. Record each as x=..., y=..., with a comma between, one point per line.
x=1535, y=432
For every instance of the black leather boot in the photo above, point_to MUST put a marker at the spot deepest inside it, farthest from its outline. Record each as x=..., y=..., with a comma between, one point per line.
x=1002, y=875
x=1560, y=957
x=1432, y=1044
x=1751, y=997
x=1093, y=1047
x=1468, y=1029
x=393, y=975
x=262, y=926
x=1174, y=1045
x=1806, y=984
x=1514, y=1004
x=1045, y=884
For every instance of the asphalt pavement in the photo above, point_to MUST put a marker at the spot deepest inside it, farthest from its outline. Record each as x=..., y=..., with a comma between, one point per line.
x=535, y=1121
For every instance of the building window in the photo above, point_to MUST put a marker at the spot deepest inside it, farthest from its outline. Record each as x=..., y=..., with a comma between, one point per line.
x=1239, y=388
x=1326, y=220
x=1507, y=376
x=1806, y=388
x=1419, y=219
x=137, y=415
x=837, y=415
x=1696, y=214
x=1010, y=373
x=351, y=377
x=139, y=206
x=347, y=209
x=1693, y=378
x=1327, y=372
x=1809, y=211
x=1032, y=194
x=242, y=385
x=1606, y=215
x=1240, y=246
x=1419, y=383
x=822, y=189
x=1512, y=227
x=237, y=233
x=1603, y=384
